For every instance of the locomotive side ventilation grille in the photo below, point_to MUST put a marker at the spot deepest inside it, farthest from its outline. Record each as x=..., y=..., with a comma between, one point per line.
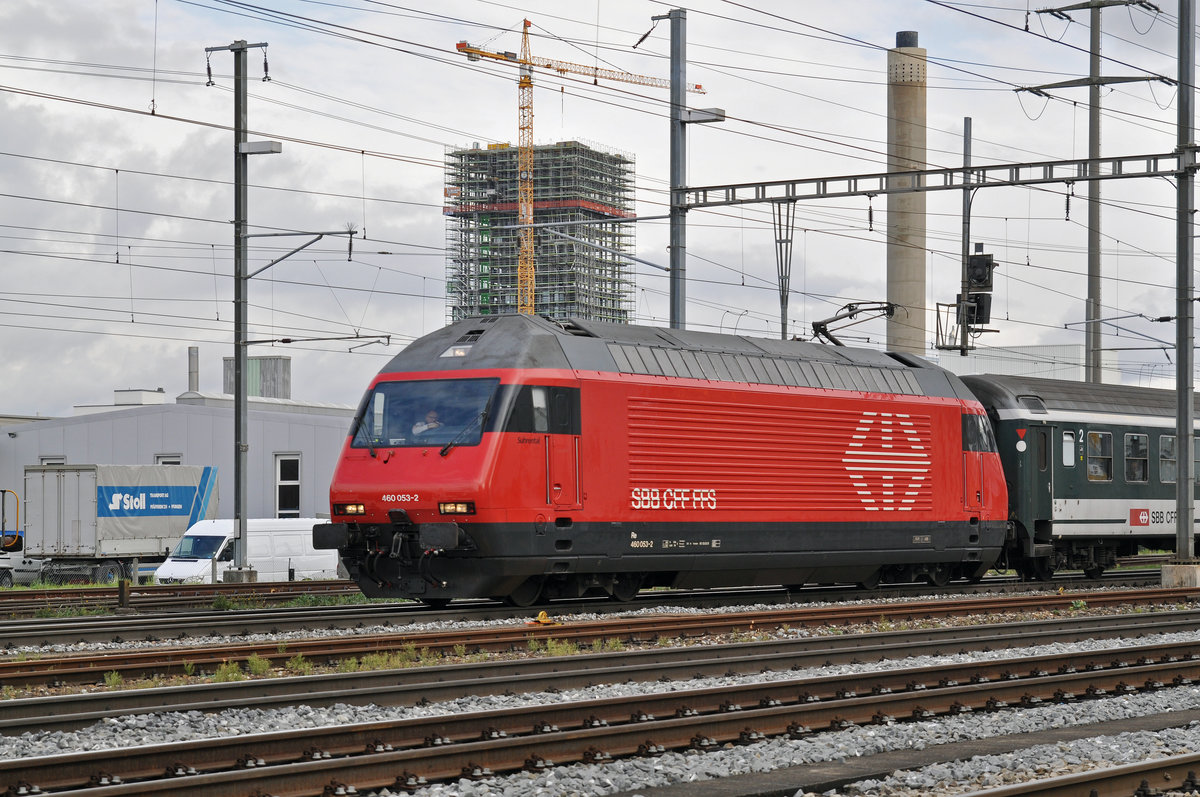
x=754, y=369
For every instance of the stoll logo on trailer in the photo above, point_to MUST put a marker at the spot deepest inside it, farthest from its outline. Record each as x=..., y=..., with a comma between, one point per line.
x=127, y=501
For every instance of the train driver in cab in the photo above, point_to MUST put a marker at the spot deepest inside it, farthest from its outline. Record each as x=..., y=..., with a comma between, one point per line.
x=430, y=422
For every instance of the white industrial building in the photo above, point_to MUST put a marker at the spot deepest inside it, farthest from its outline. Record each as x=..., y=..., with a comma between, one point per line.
x=294, y=446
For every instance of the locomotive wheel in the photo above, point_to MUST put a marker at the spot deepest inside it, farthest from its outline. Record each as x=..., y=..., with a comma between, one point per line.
x=1036, y=569
x=626, y=586
x=938, y=575
x=525, y=595
x=436, y=603
x=1093, y=572
x=871, y=581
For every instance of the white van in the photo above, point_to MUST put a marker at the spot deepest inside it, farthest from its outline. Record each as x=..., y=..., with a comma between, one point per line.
x=277, y=549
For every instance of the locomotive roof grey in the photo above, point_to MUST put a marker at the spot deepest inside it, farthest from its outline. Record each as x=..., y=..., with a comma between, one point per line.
x=524, y=341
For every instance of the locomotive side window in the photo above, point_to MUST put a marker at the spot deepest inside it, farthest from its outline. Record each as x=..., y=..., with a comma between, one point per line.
x=547, y=409
x=1168, y=466
x=1137, y=458
x=1068, y=450
x=1099, y=456
x=977, y=433
x=541, y=409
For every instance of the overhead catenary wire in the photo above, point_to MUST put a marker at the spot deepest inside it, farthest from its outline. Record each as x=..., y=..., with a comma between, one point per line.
x=357, y=150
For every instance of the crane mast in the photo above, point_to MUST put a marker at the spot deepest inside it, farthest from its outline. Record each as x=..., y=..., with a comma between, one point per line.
x=526, y=280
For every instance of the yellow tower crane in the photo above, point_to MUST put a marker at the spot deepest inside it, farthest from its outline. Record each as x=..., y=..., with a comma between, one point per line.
x=525, y=268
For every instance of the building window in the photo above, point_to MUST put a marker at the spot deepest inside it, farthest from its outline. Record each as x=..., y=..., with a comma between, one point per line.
x=287, y=485
x=168, y=459
x=1099, y=456
x=52, y=459
x=1137, y=458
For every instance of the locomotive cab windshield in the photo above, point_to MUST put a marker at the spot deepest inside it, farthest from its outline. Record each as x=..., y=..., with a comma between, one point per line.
x=423, y=413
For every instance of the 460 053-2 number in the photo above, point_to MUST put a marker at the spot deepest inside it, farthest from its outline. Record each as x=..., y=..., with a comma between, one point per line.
x=399, y=498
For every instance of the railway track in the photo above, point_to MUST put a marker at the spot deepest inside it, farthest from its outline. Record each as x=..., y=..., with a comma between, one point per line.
x=158, y=597
x=175, y=660
x=409, y=685
x=401, y=754
x=21, y=631
x=18, y=603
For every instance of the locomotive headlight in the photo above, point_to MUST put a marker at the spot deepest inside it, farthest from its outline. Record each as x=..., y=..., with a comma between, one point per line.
x=349, y=509
x=457, y=507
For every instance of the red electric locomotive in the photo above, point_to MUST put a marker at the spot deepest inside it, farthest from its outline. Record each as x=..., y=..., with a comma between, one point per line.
x=518, y=458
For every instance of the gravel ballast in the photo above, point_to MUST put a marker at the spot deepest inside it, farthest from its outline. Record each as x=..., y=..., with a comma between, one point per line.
x=677, y=768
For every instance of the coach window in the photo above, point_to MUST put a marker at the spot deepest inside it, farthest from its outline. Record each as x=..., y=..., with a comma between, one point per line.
x=1099, y=456
x=1168, y=467
x=1137, y=458
x=1068, y=452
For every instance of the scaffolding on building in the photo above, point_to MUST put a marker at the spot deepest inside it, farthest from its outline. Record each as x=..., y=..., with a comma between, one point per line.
x=572, y=183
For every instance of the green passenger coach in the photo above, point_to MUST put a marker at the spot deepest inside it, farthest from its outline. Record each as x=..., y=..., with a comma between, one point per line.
x=1091, y=470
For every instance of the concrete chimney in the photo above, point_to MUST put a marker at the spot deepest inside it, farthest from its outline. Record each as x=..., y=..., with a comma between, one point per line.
x=906, y=211
x=193, y=369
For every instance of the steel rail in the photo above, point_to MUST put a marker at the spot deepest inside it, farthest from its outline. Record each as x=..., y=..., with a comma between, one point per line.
x=1172, y=774
x=437, y=748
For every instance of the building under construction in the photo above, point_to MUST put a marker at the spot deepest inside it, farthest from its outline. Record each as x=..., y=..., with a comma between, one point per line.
x=586, y=193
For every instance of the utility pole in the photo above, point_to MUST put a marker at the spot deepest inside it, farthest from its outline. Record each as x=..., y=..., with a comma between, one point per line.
x=680, y=116
x=678, y=170
x=1185, y=315
x=1093, y=370
x=964, y=327
x=242, y=149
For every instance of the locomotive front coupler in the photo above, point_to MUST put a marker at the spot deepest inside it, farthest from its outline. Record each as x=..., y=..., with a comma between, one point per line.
x=446, y=536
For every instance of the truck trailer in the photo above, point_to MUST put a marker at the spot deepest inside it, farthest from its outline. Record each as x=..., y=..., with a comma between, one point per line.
x=99, y=522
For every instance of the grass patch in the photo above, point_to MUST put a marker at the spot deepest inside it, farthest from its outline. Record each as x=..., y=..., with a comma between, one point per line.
x=258, y=665
x=229, y=671
x=299, y=665
x=50, y=613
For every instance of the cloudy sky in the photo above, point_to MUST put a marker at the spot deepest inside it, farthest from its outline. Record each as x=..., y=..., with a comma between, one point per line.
x=117, y=170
